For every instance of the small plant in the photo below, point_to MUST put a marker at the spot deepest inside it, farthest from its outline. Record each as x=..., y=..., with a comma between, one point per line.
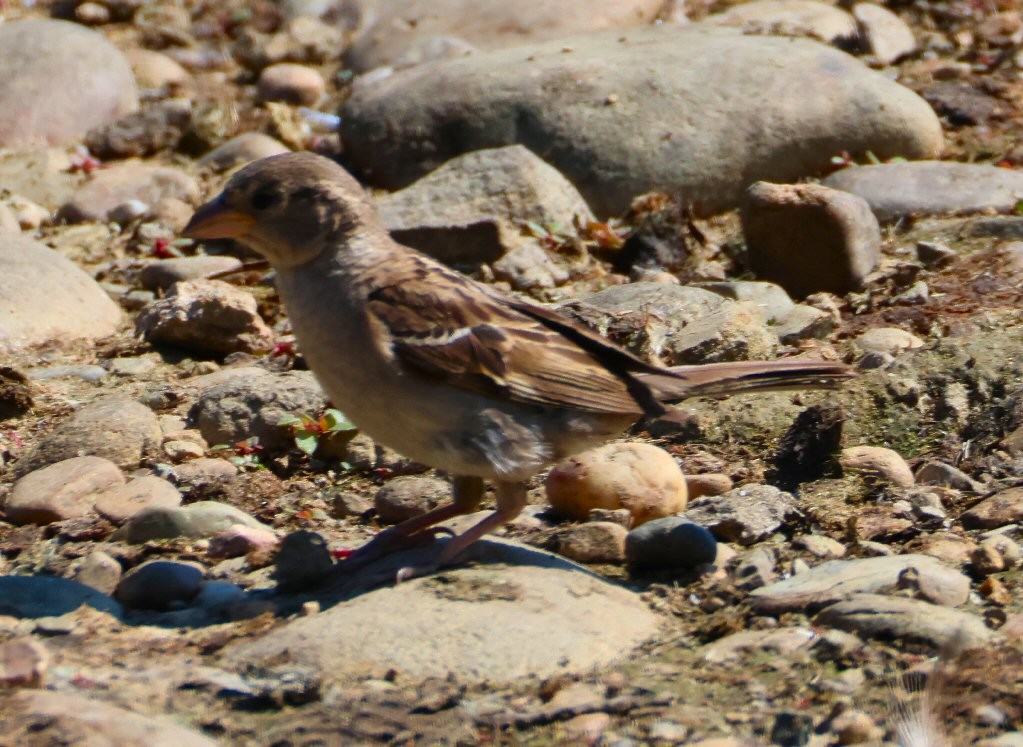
x=246, y=454
x=309, y=431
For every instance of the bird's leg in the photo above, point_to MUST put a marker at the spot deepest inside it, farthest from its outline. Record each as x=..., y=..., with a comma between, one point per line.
x=511, y=499
x=467, y=493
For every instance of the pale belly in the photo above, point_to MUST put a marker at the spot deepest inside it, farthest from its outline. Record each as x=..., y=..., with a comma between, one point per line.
x=433, y=423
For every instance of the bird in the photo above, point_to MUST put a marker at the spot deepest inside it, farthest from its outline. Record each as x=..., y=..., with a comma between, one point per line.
x=448, y=371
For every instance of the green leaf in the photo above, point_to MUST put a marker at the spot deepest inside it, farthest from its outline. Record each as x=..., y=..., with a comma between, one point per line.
x=287, y=421
x=307, y=443
x=336, y=421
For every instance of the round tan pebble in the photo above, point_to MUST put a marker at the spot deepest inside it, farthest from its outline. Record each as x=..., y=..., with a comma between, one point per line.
x=292, y=84
x=711, y=483
x=155, y=70
x=642, y=478
x=879, y=462
x=890, y=340
x=92, y=14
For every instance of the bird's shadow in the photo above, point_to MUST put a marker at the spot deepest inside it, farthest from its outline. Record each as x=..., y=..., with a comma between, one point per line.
x=341, y=585
x=42, y=597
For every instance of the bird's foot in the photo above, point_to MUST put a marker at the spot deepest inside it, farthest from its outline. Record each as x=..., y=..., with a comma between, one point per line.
x=387, y=543
x=410, y=572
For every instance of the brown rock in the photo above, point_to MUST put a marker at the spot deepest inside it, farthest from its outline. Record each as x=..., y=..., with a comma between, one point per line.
x=594, y=542
x=110, y=188
x=23, y=663
x=809, y=238
x=1005, y=507
x=711, y=483
x=245, y=148
x=208, y=316
x=64, y=490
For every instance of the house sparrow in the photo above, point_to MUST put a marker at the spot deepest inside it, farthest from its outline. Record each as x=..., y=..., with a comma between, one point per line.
x=445, y=370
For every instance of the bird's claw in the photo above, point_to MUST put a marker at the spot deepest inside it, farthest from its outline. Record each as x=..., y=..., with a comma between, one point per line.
x=415, y=571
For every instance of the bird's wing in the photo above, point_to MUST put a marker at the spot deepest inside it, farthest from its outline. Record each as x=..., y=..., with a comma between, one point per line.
x=442, y=325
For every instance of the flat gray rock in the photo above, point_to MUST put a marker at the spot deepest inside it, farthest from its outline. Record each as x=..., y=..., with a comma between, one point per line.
x=520, y=612
x=624, y=113
x=894, y=190
x=45, y=297
x=59, y=81
x=879, y=616
x=837, y=580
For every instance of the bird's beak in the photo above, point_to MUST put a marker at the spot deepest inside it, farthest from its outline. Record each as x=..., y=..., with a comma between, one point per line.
x=216, y=220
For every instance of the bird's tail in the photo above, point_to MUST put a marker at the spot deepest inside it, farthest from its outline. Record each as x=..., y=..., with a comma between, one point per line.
x=719, y=379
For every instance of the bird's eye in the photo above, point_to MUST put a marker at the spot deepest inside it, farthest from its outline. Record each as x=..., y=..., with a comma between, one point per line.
x=264, y=198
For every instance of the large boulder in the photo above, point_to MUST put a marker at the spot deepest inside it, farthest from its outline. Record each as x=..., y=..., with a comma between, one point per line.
x=59, y=81
x=698, y=112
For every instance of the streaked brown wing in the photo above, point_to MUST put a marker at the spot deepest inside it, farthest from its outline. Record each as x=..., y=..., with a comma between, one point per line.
x=450, y=328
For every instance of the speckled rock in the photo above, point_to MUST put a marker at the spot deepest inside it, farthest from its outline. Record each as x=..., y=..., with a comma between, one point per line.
x=253, y=407
x=114, y=427
x=746, y=514
x=676, y=324
x=207, y=316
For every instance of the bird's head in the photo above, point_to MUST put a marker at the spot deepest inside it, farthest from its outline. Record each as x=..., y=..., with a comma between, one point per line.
x=288, y=208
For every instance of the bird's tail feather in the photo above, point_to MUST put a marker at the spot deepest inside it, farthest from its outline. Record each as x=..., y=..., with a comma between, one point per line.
x=719, y=379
